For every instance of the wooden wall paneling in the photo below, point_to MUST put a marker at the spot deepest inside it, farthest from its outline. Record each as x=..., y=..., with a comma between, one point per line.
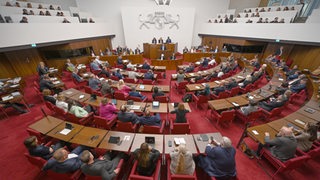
x=6, y=69
x=263, y=3
x=24, y=62
x=306, y=57
x=272, y=47
x=219, y=41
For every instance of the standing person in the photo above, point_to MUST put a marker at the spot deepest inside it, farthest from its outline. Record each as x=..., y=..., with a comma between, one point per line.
x=107, y=110
x=180, y=76
x=180, y=112
x=220, y=160
x=181, y=161
x=147, y=158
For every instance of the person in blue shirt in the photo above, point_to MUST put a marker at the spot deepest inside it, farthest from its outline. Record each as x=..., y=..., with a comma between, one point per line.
x=76, y=76
x=145, y=65
x=298, y=87
x=118, y=74
x=94, y=83
x=190, y=68
x=119, y=60
x=150, y=120
x=149, y=75
x=134, y=93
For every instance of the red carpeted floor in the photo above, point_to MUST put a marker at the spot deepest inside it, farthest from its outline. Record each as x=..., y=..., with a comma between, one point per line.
x=15, y=166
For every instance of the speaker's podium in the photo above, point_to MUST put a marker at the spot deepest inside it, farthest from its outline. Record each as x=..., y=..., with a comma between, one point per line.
x=153, y=51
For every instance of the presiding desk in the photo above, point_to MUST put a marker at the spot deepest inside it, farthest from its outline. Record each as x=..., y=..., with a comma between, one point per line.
x=112, y=59
x=153, y=51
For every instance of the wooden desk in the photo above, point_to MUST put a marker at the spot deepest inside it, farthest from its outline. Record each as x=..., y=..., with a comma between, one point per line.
x=152, y=51
x=190, y=145
x=112, y=59
x=202, y=144
x=193, y=57
x=220, y=104
x=314, y=104
x=194, y=87
x=55, y=133
x=171, y=106
x=140, y=138
x=146, y=87
x=278, y=124
x=70, y=92
x=95, y=103
x=168, y=64
x=46, y=124
x=163, y=108
x=315, y=115
x=299, y=119
x=159, y=68
x=241, y=101
x=125, y=137
x=261, y=129
x=89, y=136
x=76, y=97
x=163, y=88
x=121, y=102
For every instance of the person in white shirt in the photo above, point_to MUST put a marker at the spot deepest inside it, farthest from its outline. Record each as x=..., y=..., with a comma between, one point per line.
x=133, y=75
x=60, y=103
x=212, y=61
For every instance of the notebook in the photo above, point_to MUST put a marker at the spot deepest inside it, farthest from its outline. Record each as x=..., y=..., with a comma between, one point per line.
x=114, y=139
x=155, y=104
x=150, y=140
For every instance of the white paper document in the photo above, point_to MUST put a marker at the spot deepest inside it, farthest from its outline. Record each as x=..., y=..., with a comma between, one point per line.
x=65, y=131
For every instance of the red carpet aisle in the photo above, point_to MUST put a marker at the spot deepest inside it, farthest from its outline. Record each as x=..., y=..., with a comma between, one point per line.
x=15, y=166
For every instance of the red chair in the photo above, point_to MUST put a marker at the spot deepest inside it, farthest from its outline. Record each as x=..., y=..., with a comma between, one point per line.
x=143, y=70
x=3, y=111
x=115, y=78
x=65, y=176
x=135, y=176
x=201, y=99
x=179, y=176
x=49, y=105
x=248, y=88
x=120, y=164
x=59, y=112
x=126, y=126
x=288, y=165
x=181, y=86
x=36, y=84
x=79, y=85
x=36, y=161
x=88, y=90
x=129, y=80
x=162, y=99
x=101, y=122
x=154, y=129
x=120, y=95
x=39, y=94
x=234, y=91
x=41, y=137
x=137, y=99
x=225, y=116
x=159, y=75
x=83, y=121
x=147, y=81
x=221, y=95
x=275, y=112
x=96, y=72
x=119, y=66
x=179, y=128
x=251, y=117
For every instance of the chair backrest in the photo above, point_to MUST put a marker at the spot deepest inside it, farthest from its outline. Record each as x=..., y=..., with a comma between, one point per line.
x=119, y=95
x=87, y=89
x=202, y=99
x=254, y=115
x=180, y=128
x=143, y=70
x=37, y=161
x=179, y=176
x=135, y=176
x=234, y=91
x=60, y=112
x=134, y=98
x=275, y=112
x=72, y=118
x=115, y=78
x=162, y=99
x=151, y=129
x=182, y=84
x=128, y=80
x=313, y=153
x=100, y=122
x=296, y=162
x=49, y=105
x=36, y=84
x=125, y=126
x=228, y=115
x=41, y=138
x=147, y=81
x=223, y=95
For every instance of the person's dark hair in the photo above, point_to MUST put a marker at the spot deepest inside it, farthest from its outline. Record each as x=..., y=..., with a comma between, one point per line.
x=123, y=108
x=312, y=130
x=85, y=156
x=155, y=89
x=30, y=142
x=70, y=104
x=143, y=156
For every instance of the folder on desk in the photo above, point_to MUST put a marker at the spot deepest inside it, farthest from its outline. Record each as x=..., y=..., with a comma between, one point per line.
x=114, y=139
x=204, y=137
x=309, y=110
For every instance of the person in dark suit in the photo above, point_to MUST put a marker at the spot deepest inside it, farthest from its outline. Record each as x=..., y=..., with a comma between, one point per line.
x=214, y=74
x=146, y=65
x=48, y=97
x=60, y=163
x=150, y=120
x=292, y=71
x=190, y=68
x=269, y=106
x=154, y=41
x=163, y=47
x=205, y=62
x=157, y=92
x=147, y=158
x=125, y=116
x=119, y=50
x=42, y=69
x=168, y=41
x=119, y=60
x=298, y=87
x=180, y=112
x=205, y=92
x=219, y=160
x=231, y=84
x=220, y=88
x=160, y=41
x=149, y=75
x=118, y=74
x=94, y=83
x=45, y=83
x=134, y=93
x=105, y=167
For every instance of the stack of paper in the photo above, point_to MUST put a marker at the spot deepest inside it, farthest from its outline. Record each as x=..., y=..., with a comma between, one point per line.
x=179, y=141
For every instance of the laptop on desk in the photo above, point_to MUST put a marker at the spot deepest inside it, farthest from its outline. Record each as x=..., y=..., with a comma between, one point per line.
x=155, y=104
x=150, y=140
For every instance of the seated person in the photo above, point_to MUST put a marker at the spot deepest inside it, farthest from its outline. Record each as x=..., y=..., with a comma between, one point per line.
x=156, y=93
x=190, y=68
x=150, y=120
x=226, y=68
x=76, y=76
x=269, y=106
x=123, y=88
x=205, y=92
x=286, y=95
x=252, y=107
x=38, y=150
x=181, y=161
x=163, y=47
x=298, y=87
x=220, y=159
x=154, y=41
x=106, y=167
x=119, y=60
x=255, y=63
x=106, y=87
x=94, y=83
x=45, y=83
x=24, y=20
x=180, y=112
x=65, y=20
x=205, y=62
x=64, y=162
x=42, y=69
x=134, y=93
x=127, y=116
x=61, y=102
x=133, y=75
x=76, y=110
x=137, y=51
x=185, y=50
x=162, y=57
x=96, y=67
x=107, y=110
x=255, y=76
x=48, y=97
x=248, y=80
x=231, y=83
x=149, y=75
x=130, y=65
x=147, y=158
x=306, y=137
x=220, y=88
x=118, y=74
x=283, y=146
x=69, y=66
x=146, y=65
x=214, y=74
x=282, y=88
x=212, y=61
x=293, y=76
